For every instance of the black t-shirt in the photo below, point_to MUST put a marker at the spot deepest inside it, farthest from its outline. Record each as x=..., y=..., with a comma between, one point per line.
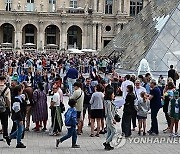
x=87, y=93
x=155, y=102
x=129, y=103
x=171, y=73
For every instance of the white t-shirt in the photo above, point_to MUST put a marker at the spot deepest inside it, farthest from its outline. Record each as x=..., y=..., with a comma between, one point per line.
x=138, y=92
x=56, y=99
x=60, y=92
x=124, y=87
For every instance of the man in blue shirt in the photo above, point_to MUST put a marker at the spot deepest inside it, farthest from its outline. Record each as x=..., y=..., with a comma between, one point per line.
x=155, y=105
x=71, y=75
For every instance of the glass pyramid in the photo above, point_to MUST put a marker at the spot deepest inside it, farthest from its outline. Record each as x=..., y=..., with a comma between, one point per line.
x=154, y=35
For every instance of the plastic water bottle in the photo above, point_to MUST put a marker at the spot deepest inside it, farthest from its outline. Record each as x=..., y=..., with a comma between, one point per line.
x=177, y=107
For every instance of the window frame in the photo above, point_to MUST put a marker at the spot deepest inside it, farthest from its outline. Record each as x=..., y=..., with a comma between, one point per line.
x=8, y=5
x=73, y=3
x=30, y=5
x=135, y=7
x=108, y=6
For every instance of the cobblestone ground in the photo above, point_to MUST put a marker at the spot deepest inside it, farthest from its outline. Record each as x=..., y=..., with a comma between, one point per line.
x=43, y=143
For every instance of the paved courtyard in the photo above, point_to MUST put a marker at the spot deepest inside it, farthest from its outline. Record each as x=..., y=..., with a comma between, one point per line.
x=44, y=144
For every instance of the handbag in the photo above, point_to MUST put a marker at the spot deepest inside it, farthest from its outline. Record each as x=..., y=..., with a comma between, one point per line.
x=176, y=75
x=117, y=118
x=62, y=107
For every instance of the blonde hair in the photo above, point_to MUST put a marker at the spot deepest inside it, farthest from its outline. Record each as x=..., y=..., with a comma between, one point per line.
x=169, y=80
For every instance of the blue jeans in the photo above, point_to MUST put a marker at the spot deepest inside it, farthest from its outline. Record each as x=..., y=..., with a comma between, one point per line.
x=18, y=133
x=70, y=84
x=71, y=132
x=111, y=131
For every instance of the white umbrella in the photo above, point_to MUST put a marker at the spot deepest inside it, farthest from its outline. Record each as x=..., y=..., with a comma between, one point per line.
x=88, y=50
x=75, y=51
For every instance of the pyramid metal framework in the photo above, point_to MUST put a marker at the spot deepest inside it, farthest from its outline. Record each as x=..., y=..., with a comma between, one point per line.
x=154, y=35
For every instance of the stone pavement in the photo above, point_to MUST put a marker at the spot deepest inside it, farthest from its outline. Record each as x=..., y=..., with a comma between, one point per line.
x=42, y=143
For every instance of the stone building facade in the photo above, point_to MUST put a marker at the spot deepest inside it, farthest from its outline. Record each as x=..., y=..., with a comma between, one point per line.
x=63, y=24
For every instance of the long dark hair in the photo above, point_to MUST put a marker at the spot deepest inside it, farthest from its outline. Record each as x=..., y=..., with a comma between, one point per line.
x=130, y=88
x=40, y=86
x=108, y=94
x=17, y=89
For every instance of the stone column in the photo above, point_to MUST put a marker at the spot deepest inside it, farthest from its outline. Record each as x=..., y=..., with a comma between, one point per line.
x=100, y=6
x=2, y=5
x=85, y=36
x=94, y=36
x=99, y=36
x=40, y=37
x=122, y=5
x=64, y=36
x=118, y=7
x=95, y=6
x=60, y=37
x=18, y=35
x=127, y=7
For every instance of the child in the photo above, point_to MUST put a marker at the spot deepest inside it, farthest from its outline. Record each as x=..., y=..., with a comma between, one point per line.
x=142, y=106
x=70, y=122
x=174, y=112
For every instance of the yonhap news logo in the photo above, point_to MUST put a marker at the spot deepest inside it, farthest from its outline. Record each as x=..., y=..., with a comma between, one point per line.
x=119, y=140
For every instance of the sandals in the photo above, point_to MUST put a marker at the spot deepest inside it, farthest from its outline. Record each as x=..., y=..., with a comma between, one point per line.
x=97, y=135
x=92, y=135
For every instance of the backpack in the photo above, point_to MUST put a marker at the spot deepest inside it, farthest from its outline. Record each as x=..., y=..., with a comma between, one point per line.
x=68, y=115
x=2, y=101
x=176, y=75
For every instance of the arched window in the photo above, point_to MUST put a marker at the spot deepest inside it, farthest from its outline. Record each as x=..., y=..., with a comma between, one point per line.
x=8, y=31
x=135, y=7
x=109, y=7
x=73, y=3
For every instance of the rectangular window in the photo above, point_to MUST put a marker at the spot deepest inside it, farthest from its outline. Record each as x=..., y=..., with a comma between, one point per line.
x=109, y=7
x=52, y=5
x=135, y=7
x=30, y=5
x=73, y=3
x=8, y=4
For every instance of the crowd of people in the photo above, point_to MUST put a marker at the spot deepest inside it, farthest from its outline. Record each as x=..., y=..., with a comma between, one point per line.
x=27, y=81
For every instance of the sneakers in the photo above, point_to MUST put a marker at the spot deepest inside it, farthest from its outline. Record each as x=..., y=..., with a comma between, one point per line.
x=20, y=145
x=108, y=146
x=166, y=130
x=57, y=142
x=89, y=124
x=75, y=146
x=8, y=140
x=171, y=135
x=101, y=132
x=176, y=135
x=44, y=129
x=26, y=129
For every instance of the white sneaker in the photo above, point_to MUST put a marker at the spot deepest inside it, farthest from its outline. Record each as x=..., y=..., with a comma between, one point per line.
x=171, y=135
x=51, y=133
x=175, y=135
